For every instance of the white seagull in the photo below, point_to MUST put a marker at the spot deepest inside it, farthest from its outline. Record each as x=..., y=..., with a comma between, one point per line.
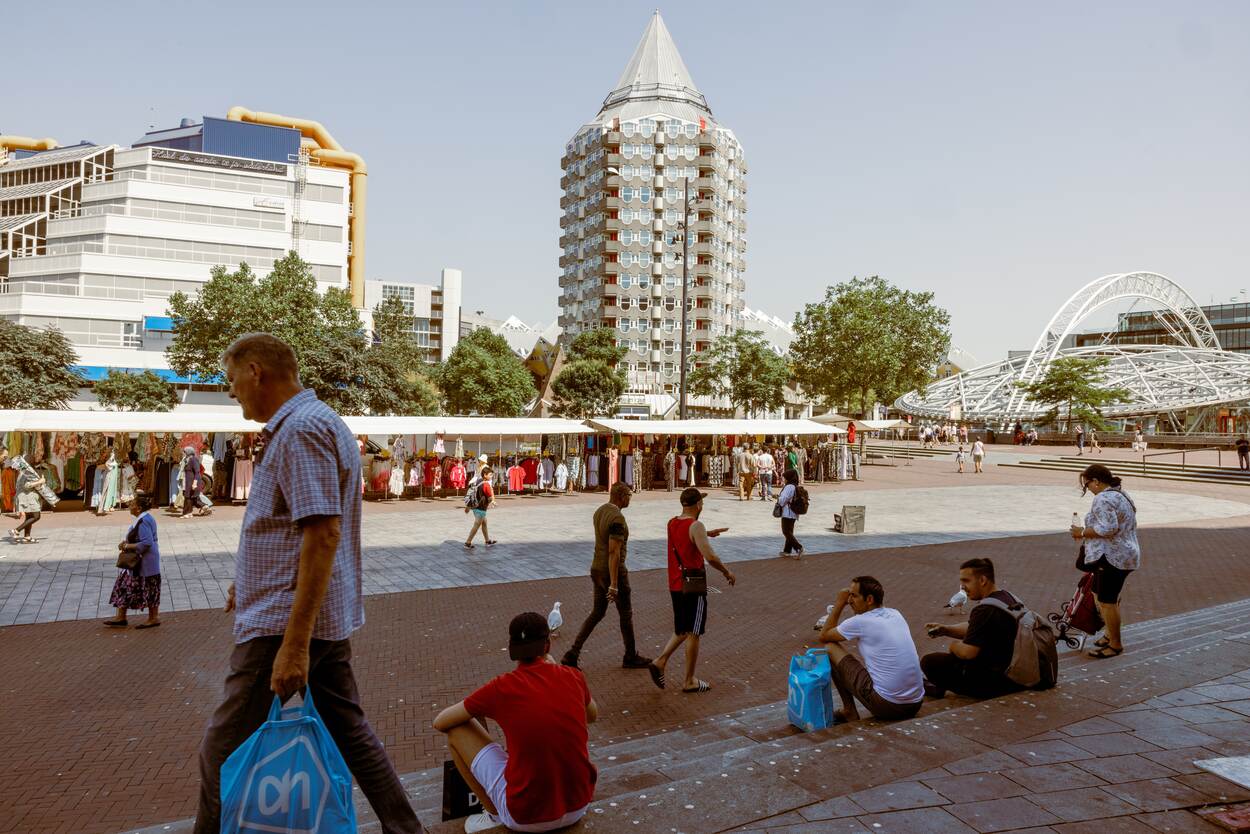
x=820, y=624
x=958, y=601
x=554, y=620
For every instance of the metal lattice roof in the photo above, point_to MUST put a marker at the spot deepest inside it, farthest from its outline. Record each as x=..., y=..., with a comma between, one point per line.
x=55, y=157
x=8, y=224
x=35, y=189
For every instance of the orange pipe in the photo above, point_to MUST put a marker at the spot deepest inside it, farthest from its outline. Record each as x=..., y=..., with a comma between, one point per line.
x=23, y=143
x=326, y=150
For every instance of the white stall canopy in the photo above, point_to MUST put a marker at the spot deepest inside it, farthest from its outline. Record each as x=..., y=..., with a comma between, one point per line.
x=712, y=427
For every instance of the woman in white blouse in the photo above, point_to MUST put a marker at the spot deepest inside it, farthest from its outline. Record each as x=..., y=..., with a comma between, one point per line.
x=1109, y=537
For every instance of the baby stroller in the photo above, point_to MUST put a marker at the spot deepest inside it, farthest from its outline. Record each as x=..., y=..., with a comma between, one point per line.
x=1079, y=614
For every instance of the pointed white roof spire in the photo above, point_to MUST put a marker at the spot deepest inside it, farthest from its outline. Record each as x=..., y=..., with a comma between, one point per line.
x=656, y=73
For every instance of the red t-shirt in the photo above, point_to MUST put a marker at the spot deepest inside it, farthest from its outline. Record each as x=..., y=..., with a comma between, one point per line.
x=541, y=707
x=679, y=543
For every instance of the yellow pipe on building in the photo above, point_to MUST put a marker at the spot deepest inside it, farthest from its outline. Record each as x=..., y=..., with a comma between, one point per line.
x=326, y=150
x=23, y=143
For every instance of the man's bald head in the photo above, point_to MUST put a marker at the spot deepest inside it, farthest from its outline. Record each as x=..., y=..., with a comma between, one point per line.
x=269, y=353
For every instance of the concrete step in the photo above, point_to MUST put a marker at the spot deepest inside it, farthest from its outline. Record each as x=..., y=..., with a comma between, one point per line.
x=1151, y=472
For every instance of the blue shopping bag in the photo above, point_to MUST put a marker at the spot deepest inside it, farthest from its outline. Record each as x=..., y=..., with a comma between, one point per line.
x=809, y=705
x=288, y=778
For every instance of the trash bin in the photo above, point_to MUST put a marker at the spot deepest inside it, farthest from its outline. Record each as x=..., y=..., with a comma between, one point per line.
x=850, y=520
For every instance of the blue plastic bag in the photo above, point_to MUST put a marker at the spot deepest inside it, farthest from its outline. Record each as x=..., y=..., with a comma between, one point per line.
x=288, y=778
x=809, y=705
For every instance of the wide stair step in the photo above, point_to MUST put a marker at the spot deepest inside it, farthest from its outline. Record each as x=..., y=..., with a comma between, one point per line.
x=1157, y=471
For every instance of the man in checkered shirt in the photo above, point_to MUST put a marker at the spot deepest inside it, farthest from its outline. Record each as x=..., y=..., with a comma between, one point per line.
x=297, y=582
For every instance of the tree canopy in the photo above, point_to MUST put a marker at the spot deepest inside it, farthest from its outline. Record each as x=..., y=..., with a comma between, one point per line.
x=323, y=329
x=144, y=391
x=34, y=367
x=1078, y=385
x=484, y=376
x=398, y=380
x=742, y=367
x=868, y=339
x=591, y=382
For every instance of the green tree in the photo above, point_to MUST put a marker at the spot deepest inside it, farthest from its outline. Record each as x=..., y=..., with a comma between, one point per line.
x=484, y=376
x=742, y=367
x=34, y=367
x=396, y=367
x=323, y=329
x=868, y=340
x=1078, y=385
x=145, y=391
x=591, y=382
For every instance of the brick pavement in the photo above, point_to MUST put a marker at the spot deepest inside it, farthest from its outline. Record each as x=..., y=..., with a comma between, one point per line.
x=118, y=715
x=416, y=545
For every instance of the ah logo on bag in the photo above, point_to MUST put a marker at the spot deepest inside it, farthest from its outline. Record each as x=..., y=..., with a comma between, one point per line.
x=286, y=802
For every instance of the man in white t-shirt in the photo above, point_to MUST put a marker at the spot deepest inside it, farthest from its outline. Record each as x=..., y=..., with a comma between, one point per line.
x=892, y=685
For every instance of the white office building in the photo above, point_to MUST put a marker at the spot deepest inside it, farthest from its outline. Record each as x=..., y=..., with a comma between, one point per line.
x=95, y=238
x=435, y=310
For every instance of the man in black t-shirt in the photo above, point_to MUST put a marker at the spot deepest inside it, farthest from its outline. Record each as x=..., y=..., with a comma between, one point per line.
x=1243, y=453
x=976, y=662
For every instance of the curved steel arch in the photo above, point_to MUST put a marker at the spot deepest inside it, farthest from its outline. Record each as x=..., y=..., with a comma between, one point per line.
x=1188, y=325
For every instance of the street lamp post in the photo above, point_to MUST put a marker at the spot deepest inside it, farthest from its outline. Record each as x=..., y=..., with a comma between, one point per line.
x=685, y=289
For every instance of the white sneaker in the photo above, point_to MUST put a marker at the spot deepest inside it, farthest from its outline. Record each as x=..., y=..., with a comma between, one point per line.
x=479, y=822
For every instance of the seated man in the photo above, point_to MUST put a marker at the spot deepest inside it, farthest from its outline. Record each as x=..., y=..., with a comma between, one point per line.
x=891, y=687
x=545, y=779
x=976, y=662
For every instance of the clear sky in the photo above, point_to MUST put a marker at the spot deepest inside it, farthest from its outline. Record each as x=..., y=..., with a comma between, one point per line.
x=998, y=154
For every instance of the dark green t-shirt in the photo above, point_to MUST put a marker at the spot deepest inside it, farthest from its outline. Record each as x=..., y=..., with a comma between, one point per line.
x=609, y=524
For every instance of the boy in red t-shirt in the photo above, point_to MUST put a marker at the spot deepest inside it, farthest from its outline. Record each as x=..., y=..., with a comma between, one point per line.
x=545, y=779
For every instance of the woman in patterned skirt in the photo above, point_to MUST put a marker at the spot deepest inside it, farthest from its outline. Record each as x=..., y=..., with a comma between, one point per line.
x=139, y=587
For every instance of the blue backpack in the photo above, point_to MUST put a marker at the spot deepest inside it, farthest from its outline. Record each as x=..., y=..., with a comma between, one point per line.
x=288, y=778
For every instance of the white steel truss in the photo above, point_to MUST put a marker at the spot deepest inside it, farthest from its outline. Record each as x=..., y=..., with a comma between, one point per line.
x=1192, y=373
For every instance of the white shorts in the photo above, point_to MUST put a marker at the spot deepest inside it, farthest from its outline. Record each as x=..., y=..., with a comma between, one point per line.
x=488, y=769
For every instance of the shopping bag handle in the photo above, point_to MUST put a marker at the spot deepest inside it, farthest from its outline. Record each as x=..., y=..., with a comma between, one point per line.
x=306, y=708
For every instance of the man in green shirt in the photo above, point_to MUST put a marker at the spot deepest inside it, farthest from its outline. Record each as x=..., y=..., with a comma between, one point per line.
x=610, y=578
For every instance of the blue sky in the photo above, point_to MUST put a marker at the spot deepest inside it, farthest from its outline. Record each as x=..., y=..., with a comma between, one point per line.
x=998, y=154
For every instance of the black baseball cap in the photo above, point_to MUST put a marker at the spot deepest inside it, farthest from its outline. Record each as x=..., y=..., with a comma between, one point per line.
x=691, y=496
x=527, y=636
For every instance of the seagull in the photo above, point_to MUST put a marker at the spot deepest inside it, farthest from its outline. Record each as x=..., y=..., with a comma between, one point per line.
x=958, y=601
x=554, y=620
x=820, y=624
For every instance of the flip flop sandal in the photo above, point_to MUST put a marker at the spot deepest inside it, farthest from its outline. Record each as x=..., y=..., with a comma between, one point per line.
x=699, y=687
x=1101, y=642
x=1105, y=652
x=147, y=625
x=657, y=675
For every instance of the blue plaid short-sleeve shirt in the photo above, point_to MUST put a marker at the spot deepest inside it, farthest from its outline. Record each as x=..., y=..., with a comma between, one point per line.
x=310, y=467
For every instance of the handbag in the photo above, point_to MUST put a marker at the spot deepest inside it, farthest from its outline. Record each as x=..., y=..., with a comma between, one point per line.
x=1080, y=562
x=129, y=559
x=777, y=510
x=693, y=580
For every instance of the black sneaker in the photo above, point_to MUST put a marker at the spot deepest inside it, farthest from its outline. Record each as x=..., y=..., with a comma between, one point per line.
x=636, y=662
x=932, y=691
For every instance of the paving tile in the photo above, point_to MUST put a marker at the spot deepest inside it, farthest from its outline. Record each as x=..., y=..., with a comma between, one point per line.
x=1242, y=707
x=839, y=826
x=1178, y=822
x=1171, y=738
x=918, y=821
x=974, y=787
x=1045, y=752
x=1158, y=794
x=897, y=796
x=1055, y=777
x=1002, y=814
x=1113, y=825
x=1228, y=730
x=983, y=763
x=1092, y=726
x=1180, y=698
x=1181, y=760
x=1204, y=714
x=838, y=806
x=1224, y=691
x=1125, y=768
x=1213, y=786
x=1083, y=804
x=1147, y=719
x=1114, y=744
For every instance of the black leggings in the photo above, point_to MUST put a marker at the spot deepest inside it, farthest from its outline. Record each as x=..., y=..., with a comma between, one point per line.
x=787, y=530
x=23, y=529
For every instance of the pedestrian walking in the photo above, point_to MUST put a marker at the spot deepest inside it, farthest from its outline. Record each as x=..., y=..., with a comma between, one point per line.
x=139, y=587
x=192, y=481
x=297, y=585
x=765, y=464
x=609, y=578
x=746, y=473
x=1093, y=442
x=27, y=501
x=1080, y=440
x=689, y=550
x=1243, y=453
x=1110, y=550
x=785, y=501
x=959, y=458
x=482, y=496
x=978, y=455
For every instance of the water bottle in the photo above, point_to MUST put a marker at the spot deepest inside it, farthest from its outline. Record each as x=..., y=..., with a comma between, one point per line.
x=1076, y=520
